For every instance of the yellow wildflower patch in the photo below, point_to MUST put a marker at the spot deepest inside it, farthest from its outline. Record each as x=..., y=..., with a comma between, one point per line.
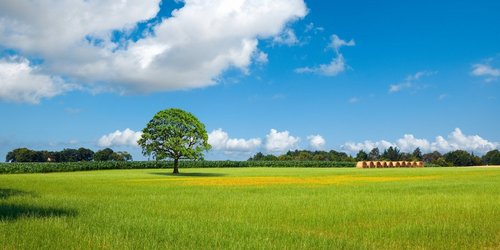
x=276, y=180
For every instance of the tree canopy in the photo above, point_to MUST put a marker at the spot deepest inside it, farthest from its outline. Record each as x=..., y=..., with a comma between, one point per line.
x=174, y=134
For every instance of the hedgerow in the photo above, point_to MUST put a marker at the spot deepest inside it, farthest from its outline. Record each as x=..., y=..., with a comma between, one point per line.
x=13, y=168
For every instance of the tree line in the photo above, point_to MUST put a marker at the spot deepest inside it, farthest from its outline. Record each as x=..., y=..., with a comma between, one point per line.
x=304, y=155
x=453, y=158
x=66, y=155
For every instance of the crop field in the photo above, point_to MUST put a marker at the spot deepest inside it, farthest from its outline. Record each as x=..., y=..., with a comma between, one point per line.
x=252, y=208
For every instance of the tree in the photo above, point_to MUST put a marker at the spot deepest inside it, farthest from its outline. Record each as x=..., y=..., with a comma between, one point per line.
x=442, y=162
x=108, y=154
x=257, y=157
x=361, y=156
x=431, y=157
x=69, y=155
x=374, y=154
x=460, y=158
x=391, y=154
x=417, y=154
x=492, y=157
x=24, y=155
x=406, y=157
x=11, y=157
x=174, y=134
x=121, y=156
x=85, y=154
x=104, y=155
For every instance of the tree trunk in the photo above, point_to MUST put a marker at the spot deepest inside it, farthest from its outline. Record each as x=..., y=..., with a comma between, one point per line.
x=176, y=166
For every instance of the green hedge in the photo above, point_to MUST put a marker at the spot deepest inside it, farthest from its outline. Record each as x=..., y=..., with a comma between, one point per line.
x=12, y=168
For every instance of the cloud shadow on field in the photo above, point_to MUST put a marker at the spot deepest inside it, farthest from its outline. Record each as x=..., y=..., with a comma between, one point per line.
x=13, y=212
x=190, y=174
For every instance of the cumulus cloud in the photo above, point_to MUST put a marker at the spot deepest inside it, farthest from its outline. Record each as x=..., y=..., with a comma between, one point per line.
x=21, y=82
x=316, y=142
x=193, y=47
x=485, y=70
x=410, y=81
x=279, y=142
x=220, y=141
x=337, y=65
x=458, y=140
x=455, y=140
x=126, y=137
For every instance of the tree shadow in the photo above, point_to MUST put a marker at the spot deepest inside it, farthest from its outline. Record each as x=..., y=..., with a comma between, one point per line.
x=191, y=174
x=13, y=212
x=5, y=193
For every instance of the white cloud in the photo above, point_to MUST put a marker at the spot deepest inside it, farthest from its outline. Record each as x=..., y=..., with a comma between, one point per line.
x=316, y=142
x=53, y=27
x=398, y=87
x=354, y=147
x=485, y=70
x=261, y=57
x=456, y=140
x=193, y=47
x=21, y=82
x=287, y=37
x=409, y=143
x=126, y=137
x=220, y=141
x=337, y=43
x=312, y=27
x=410, y=81
x=279, y=142
x=336, y=66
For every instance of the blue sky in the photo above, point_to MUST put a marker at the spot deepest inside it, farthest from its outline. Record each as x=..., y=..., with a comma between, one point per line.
x=263, y=76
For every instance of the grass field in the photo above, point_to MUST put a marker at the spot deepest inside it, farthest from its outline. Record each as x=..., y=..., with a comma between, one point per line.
x=314, y=208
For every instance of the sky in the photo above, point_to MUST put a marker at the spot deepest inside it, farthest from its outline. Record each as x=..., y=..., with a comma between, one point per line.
x=263, y=76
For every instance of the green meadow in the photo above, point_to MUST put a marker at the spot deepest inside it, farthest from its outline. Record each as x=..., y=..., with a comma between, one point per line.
x=252, y=208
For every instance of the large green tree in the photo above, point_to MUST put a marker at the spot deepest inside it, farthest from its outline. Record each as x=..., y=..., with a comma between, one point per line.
x=174, y=134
